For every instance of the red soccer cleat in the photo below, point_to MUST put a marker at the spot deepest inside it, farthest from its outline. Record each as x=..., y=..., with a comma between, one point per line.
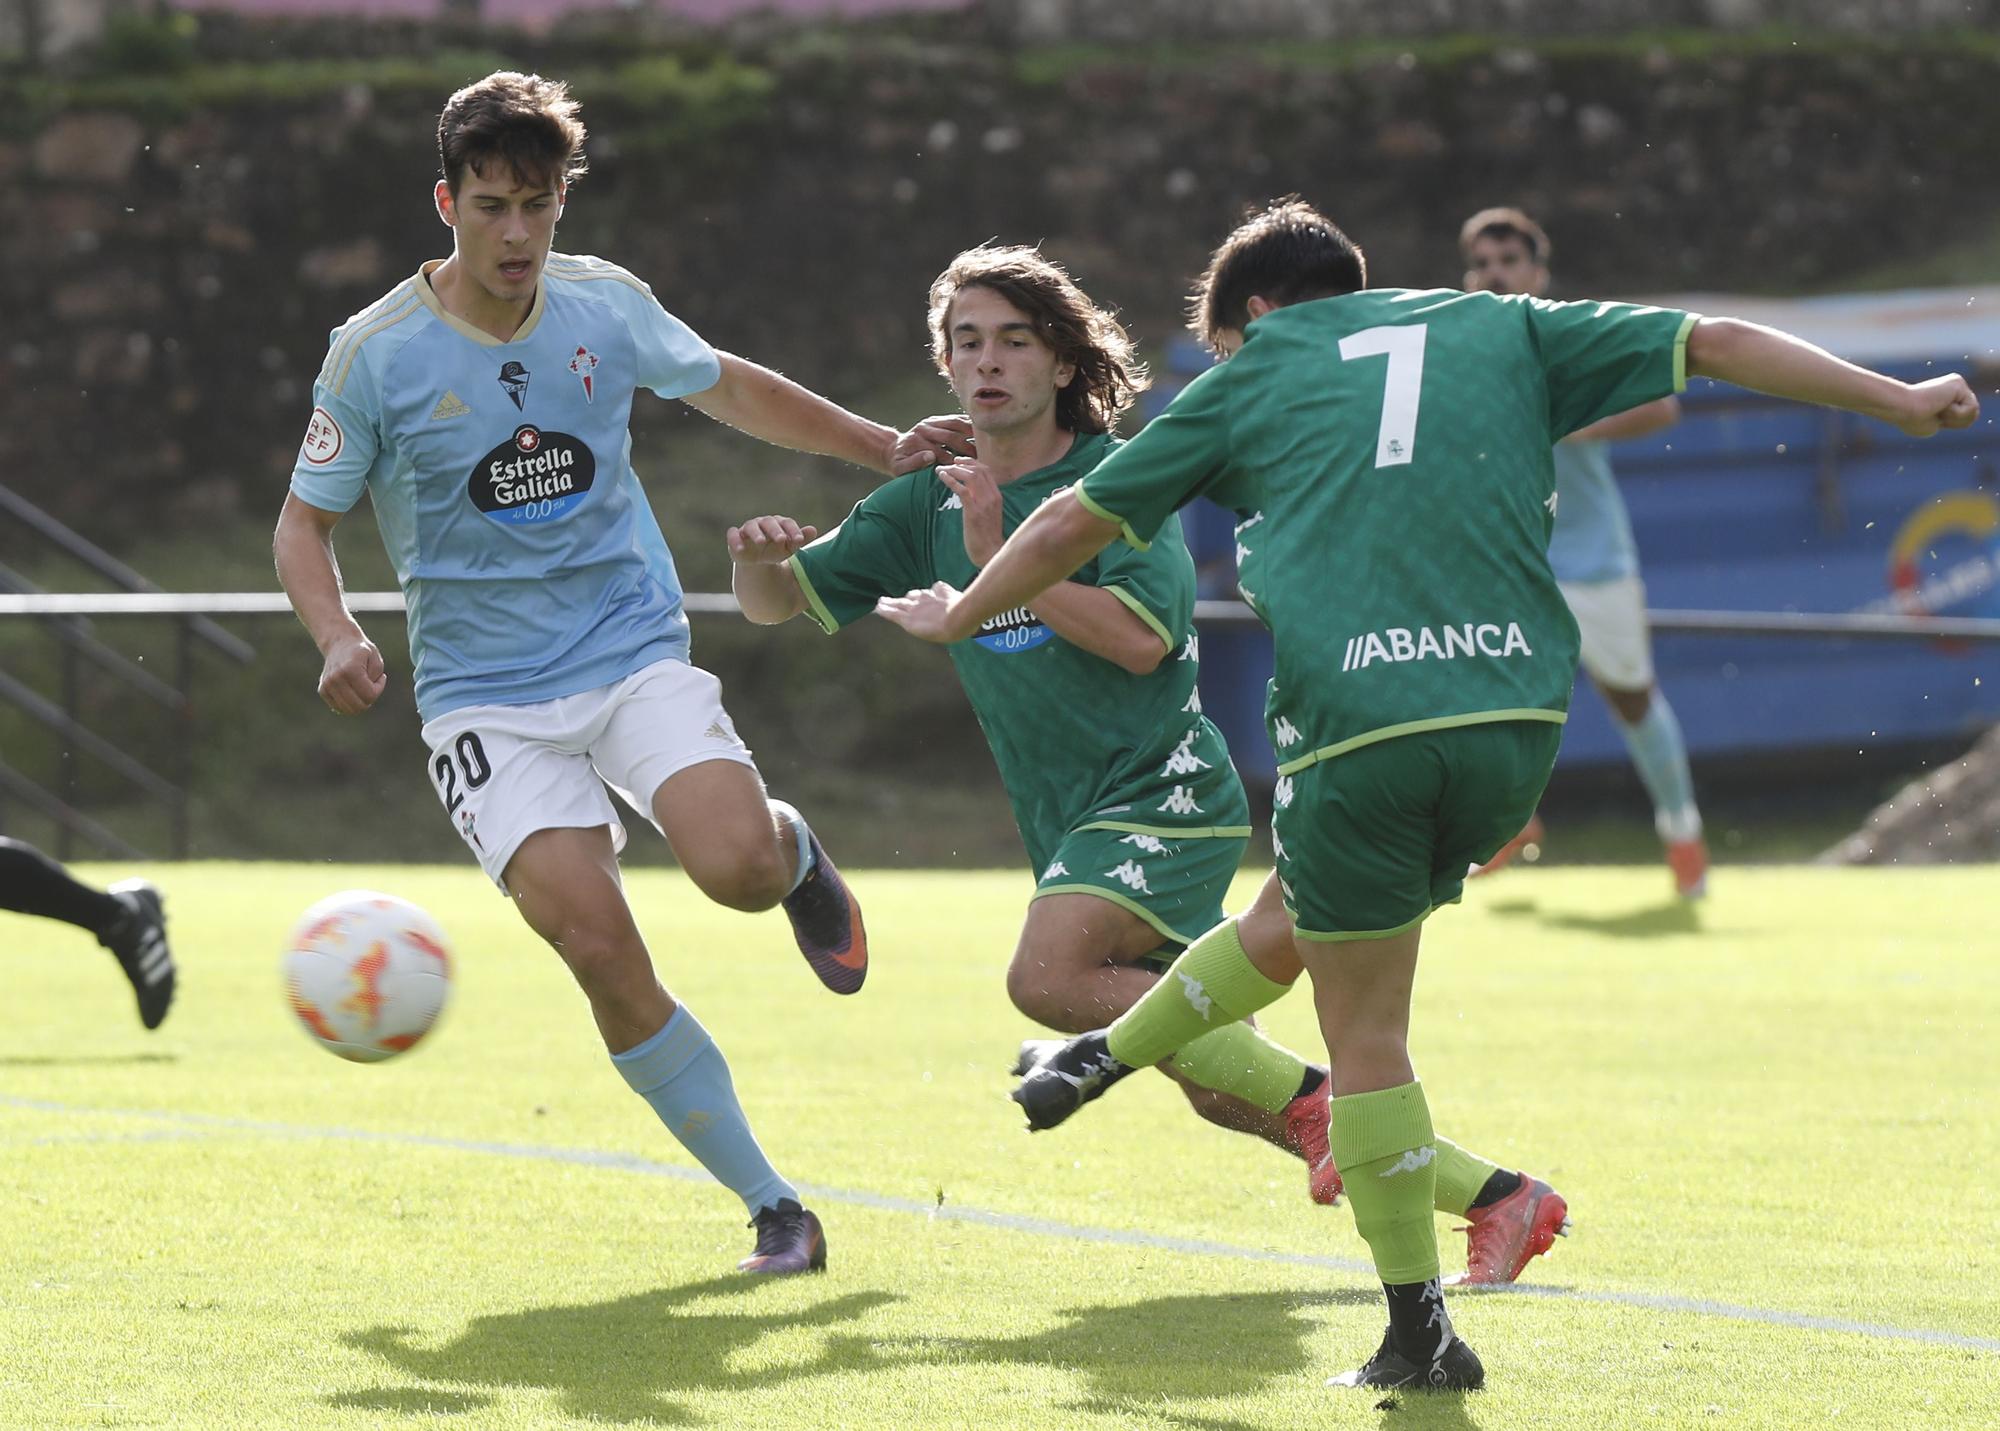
x=1527, y=844
x=1688, y=859
x=1306, y=1119
x=1504, y=1235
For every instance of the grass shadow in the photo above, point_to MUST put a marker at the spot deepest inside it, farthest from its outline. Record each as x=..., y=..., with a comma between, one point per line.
x=1657, y=921
x=80, y=1060
x=622, y=1360
x=1139, y=1358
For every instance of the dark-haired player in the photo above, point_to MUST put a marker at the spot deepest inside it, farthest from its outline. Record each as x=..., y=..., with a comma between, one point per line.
x=1397, y=443
x=484, y=404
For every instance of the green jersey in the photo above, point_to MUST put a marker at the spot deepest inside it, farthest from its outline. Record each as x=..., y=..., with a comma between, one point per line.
x=1389, y=452
x=1082, y=744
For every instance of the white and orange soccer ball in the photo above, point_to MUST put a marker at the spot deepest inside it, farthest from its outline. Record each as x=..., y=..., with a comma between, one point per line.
x=367, y=974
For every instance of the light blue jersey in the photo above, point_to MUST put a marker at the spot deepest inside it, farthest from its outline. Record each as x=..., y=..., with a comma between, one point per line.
x=501, y=475
x=1593, y=535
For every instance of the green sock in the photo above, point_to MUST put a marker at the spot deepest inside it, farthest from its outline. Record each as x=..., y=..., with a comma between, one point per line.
x=1387, y=1155
x=1460, y=1176
x=1212, y=984
x=1240, y=1060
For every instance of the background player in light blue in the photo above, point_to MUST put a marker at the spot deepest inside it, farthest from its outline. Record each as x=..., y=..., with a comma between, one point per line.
x=1596, y=562
x=484, y=405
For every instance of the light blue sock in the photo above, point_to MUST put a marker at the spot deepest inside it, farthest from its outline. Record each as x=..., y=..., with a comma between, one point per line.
x=1660, y=754
x=801, y=836
x=683, y=1075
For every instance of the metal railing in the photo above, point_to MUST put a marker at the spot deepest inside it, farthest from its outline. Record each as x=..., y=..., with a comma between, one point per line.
x=61, y=714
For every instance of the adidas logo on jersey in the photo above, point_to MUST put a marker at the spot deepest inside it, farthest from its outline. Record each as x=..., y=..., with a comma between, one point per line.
x=718, y=731
x=1399, y=643
x=449, y=406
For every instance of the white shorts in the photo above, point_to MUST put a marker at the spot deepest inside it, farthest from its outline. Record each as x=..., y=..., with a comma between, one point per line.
x=506, y=771
x=1611, y=615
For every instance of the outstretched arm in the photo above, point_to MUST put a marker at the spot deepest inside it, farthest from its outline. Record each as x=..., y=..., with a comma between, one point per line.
x=1060, y=537
x=771, y=406
x=1768, y=361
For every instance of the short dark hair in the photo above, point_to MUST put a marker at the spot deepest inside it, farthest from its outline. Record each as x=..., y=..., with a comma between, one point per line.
x=1289, y=252
x=1505, y=223
x=522, y=121
x=1108, y=377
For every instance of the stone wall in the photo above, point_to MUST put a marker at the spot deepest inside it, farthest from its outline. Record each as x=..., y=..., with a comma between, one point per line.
x=170, y=278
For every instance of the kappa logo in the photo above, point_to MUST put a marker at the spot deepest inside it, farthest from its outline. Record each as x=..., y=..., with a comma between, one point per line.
x=583, y=365
x=952, y=503
x=1191, y=651
x=1181, y=802
x=1281, y=793
x=1151, y=844
x=1193, y=706
x=1130, y=875
x=1411, y=1161
x=449, y=406
x=1551, y=504
x=514, y=380
x=1286, y=732
x=1197, y=997
x=1058, y=868
x=1184, y=761
x=1277, y=845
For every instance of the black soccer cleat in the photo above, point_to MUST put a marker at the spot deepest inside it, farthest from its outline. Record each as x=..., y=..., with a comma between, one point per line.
x=1455, y=1368
x=789, y=1241
x=826, y=922
x=139, y=939
x=1064, y=1076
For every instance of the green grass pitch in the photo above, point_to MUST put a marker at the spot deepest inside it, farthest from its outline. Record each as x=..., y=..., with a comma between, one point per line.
x=1774, y=1117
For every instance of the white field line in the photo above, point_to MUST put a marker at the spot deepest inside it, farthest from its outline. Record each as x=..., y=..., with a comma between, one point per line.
x=1004, y=1221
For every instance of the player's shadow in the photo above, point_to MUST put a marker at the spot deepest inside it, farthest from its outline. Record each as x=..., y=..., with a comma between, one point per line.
x=617, y=1361
x=1139, y=1359
x=80, y=1060
x=1657, y=921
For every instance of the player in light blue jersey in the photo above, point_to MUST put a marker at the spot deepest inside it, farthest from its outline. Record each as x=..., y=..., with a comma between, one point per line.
x=1596, y=563
x=484, y=405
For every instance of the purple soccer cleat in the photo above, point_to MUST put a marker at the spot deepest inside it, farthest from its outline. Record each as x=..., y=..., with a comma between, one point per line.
x=826, y=920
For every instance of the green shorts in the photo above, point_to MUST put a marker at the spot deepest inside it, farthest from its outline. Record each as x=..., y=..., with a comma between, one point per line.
x=1370, y=842
x=1176, y=885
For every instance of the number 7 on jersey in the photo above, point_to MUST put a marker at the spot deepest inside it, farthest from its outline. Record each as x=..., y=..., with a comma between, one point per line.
x=1396, y=440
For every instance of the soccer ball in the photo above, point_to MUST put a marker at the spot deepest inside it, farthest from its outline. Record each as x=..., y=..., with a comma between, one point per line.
x=367, y=974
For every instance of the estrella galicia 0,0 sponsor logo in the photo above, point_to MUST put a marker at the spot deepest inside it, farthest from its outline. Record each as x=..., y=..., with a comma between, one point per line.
x=534, y=476
x=1014, y=631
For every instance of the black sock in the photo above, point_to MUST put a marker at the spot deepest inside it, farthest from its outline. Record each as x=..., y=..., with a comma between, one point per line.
x=1314, y=1080
x=32, y=883
x=1501, y=1184
x=1418, y=1326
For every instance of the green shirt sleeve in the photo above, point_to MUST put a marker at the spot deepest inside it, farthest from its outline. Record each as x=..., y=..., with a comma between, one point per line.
x=1182, y=454
x=878, y=551
x=1156, y=582
x=1606, y=358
